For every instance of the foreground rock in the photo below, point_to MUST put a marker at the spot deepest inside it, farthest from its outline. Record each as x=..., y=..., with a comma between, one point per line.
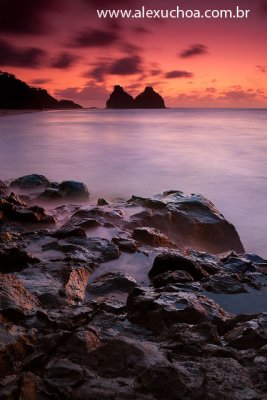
x=76, y=324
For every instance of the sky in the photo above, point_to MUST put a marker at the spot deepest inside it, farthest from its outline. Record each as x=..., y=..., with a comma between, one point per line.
x=62, y=46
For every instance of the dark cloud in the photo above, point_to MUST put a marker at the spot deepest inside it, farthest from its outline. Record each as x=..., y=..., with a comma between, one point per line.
x=126, y=66
x=131, y=65
x=263, y=9
x=155, y=72
x=211, y=90
x=40, y=81
x=194, y=50
x=96, y=38
x=25, y=17
x=141, y=30
x=64, y=61
x=27, y=57
x=262, y=68
x=98, y=73
x=178, y=74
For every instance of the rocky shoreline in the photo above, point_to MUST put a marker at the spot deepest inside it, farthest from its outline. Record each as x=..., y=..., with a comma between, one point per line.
x=114, y=301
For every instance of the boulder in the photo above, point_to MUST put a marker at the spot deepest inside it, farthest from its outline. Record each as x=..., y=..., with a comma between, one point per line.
x=112, y=282
x=30, y=181
x=120, y=99
x=66, y=190
x=157, y=311
x=75, y=281
x=125, y=244
x=175, y=261
x=124, y=357
x=190, y=221
x=149, y=99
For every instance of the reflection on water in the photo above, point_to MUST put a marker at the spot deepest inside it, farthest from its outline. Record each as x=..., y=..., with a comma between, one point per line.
x=219, y=153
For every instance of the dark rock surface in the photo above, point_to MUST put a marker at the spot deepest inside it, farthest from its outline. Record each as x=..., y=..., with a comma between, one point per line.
x=76, y=324
x=149, y=99
x=120, y=99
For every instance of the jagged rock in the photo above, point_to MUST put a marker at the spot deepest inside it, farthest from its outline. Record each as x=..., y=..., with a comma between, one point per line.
x=120, y=99
x=102, y=202
x=236, y=263
x=75, y=281
x=149, y=99
x=24, y=214
x=15, y=301
x=125, y=244
x=152, y=237
x=171, y=277
x=157, y=311
x=30, y=181
x=224, y=284
x=62, y=372
x=112, y=282
x=15, y=259
x=251, y=334
x=3, y=188
x=16, y=343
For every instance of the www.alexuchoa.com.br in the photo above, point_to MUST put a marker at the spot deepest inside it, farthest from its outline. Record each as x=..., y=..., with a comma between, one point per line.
x=175, y=13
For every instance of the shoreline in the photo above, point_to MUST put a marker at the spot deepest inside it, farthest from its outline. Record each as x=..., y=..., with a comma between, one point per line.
x=7, y=112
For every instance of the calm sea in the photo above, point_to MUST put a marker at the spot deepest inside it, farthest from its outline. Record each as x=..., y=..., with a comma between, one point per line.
x=219, y=153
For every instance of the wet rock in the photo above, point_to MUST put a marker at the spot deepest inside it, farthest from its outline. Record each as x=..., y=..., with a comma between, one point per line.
x=62, y=372
x=102, y=202
x=157, y=311
x=197, y=335
x=124, y=357
x=69, y=231
x=189, y=221
x=226, y=379
x=15, y=301
x=125, y=244
x=152, y=237
x=163, y=381
x=112, y=282
x=251, y=334
x=15, y=344
x=175, y=261
x=171, y=277
x=236, y=263
x=15, y=259
x=66, y=190
x=30, y=181
x=224, y=284
x=79, y=346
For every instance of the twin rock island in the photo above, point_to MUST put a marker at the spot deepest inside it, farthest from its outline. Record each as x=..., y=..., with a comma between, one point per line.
x=147, y=99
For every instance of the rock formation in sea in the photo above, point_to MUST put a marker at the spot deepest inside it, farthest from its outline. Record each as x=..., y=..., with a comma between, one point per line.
x=149, y=99
x=120, y=99
x=129, y=314
x=16, y=94
x=145, y=100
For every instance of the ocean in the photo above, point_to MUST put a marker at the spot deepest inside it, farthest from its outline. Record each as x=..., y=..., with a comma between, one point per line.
x=220, y=153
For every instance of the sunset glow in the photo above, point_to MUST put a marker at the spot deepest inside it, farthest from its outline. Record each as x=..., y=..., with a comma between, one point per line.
x=63, y=47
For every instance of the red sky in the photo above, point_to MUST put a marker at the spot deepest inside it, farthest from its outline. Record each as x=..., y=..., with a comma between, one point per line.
x=62, y=46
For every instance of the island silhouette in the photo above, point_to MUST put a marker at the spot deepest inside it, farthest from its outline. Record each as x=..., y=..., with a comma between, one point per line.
x=17, y=95
x=119, y=98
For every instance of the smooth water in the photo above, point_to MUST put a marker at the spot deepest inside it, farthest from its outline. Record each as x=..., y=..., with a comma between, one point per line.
x=117, y=153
